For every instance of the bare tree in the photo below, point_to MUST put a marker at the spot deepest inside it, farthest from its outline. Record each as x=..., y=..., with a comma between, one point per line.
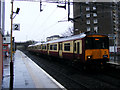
x=68, y=32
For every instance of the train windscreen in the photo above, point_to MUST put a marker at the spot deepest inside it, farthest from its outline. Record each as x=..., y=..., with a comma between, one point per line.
x=97, y=43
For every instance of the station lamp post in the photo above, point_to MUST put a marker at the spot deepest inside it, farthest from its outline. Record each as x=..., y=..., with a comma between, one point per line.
x=11, y=61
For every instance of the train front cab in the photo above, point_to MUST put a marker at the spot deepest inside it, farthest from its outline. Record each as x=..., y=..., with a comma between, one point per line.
x=96, y=49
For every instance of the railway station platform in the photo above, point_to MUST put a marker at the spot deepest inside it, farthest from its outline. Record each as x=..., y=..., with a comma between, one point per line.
x=27, y=74
x=114, y=60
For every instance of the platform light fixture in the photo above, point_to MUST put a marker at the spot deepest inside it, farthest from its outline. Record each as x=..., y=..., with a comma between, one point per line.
x=17, y=11
x=11, y=61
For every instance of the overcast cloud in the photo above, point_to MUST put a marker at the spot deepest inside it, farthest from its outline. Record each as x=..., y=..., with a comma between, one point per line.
x=36, y=25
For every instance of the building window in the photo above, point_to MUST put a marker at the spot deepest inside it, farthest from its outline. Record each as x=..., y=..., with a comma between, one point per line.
x=94, y=8
x=95, y=14
x=93, y=0
x=95, y=21
x=96, y=28
x=88, y=21
x=76, y=29
x=67, y=47
x=87, y=2
x=87, y=15
x=88, y=28
x=87, y=8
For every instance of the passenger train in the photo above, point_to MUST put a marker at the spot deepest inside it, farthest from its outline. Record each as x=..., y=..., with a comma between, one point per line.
x=83, y=48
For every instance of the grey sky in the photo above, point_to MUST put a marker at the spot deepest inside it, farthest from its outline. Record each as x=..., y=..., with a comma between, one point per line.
x=36, y=25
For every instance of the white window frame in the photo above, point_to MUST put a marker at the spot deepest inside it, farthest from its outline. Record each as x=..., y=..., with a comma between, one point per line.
x=88, y=15
x=94, y=8
x=87, y=21
x=96, y=28
x=95, y=21
x=87, y=2
x=88, y=28
x=95, y=14
x=87, y=8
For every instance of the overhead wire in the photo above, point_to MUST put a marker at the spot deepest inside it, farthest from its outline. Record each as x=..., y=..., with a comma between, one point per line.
x=48, y=17
x=42, y=24
x=46, y=28
x=34, y=22
x=45, y=21
x=49, y=27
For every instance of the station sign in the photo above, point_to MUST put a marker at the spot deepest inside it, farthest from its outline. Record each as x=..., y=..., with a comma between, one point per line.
x=16, y=27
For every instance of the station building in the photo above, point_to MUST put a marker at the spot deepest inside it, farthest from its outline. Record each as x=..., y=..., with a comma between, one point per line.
x=2, y=19
x=54, y=37
x=6, y=45
x=99, y=17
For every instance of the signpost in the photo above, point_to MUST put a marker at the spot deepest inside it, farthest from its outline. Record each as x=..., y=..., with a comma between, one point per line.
x=13, y=27
x=16, y=27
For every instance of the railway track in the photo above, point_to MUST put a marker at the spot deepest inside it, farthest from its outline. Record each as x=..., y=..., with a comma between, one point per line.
x=70, y=77
x=67, y=81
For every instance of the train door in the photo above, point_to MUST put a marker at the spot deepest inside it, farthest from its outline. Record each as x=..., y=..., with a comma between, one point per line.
x=77, y=49
x=48, y=49
x=60, y=50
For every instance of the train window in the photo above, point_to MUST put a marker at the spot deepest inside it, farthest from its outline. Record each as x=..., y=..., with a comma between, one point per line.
x=55, y=46
x=67, y=47
x=42, y=47
x=97, y=43
x=50, y=47
x=45, y=47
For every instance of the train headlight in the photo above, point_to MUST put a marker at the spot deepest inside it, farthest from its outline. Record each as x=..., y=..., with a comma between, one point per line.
x=89, y=57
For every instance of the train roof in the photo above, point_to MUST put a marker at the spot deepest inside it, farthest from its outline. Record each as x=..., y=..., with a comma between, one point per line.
x=79, y=36
x=34, y=44
x=82, y=35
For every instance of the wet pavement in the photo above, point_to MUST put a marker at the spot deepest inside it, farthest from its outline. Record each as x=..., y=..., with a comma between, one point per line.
x=6, y=72
x=27, y=74
x=115, y=59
